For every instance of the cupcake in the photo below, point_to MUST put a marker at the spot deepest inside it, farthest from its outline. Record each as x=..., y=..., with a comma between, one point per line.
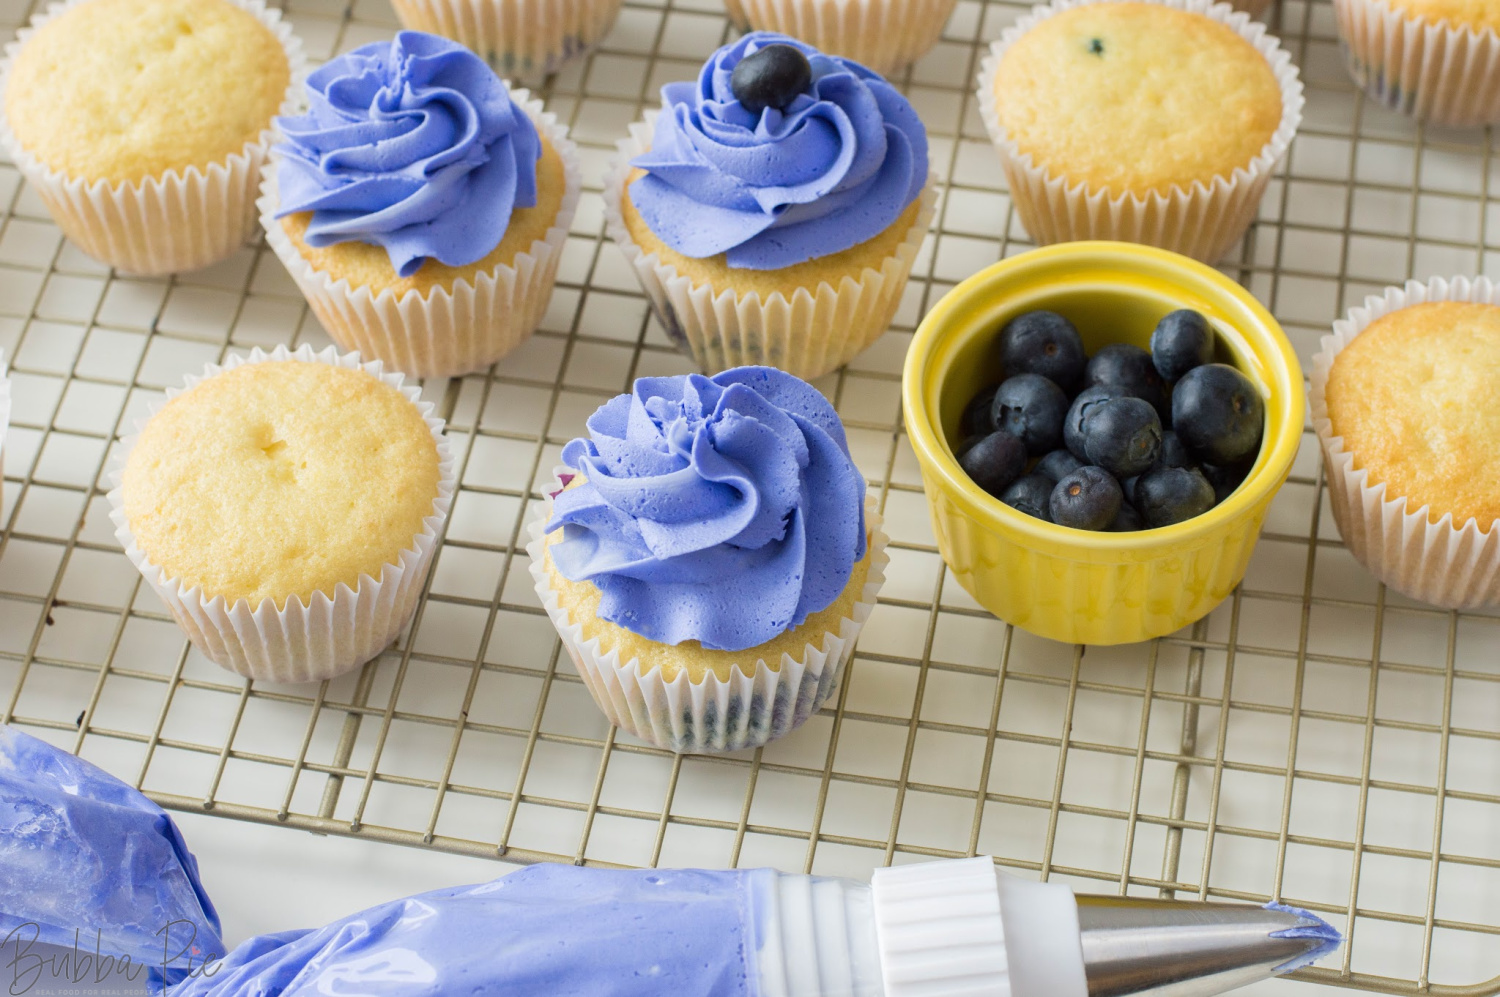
x=1156, y=122
x=527, y=38
x=1434, y=59
x=773, y=209
x=421, y=205
x=882, y=34
x=286, y=508
x=710, y=557
x=1403, y=401
x=143, y=124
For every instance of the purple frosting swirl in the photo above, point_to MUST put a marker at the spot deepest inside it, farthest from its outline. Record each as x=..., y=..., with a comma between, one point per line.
x=412, y=144
x=721, y=509
x=779, y=187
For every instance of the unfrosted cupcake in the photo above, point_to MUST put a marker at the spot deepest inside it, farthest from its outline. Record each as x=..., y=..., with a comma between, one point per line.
x=420, y=205
x=1155, y=122
x=286, y=508
x=1403, y=401
x=1433, y=59
x=142, y=124
x=882, y=34
x=523, y=38
x=710, y=558
x=773, y=208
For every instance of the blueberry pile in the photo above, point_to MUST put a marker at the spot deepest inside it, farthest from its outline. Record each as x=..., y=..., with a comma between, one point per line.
x=1123, y=440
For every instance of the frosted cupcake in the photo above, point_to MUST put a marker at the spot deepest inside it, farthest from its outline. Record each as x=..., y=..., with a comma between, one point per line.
x=1403, y=403
x=882, y=34
x=420, y=205
x=710, y=558
x=1433, y=59
x=286, y=509
x=142, y=124
x=773, y=208
x=1155, y=122
x=525, y=38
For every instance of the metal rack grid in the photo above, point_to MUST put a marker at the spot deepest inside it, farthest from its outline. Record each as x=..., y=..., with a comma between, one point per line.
x=1316, y=739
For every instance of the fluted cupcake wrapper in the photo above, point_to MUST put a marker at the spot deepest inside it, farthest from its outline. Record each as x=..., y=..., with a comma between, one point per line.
x=520, y=37
x=178, y=221
x=807, y=334
x=1203, y=221
x=439, y=333
x=881, y=34
x=1442, y=73
x=324, y=637
x=1446, y=564
x=746, y=711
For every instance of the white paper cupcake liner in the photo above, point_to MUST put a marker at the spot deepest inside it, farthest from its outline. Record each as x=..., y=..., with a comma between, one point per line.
x=1441, y=563
x=1446, y=74
x=175, y=222
x=520, y=37
x=1203, y=221
x=324, y=637
x=881, y=34
x=807, y=335
x=442, y=333
x=746, y=711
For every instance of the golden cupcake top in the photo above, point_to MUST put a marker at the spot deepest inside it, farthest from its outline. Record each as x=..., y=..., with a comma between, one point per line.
x=1136, y=97
x=1476, y=15
x=365, y=264
x=1413, y=397
x=280, y=479
x=122, y=90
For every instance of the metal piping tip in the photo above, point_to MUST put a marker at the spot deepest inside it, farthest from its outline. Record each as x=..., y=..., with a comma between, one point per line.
x=1175, y=948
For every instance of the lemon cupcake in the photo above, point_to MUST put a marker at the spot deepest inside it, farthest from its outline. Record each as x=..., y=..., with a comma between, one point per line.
x=286, y=508
x=1403, y=403
x=420, y=205
x=773, y=208
x=1156, y=122
x=710, y=557
x=143, y=124
x=881, y=34
x=1434, y=59
x=522, y=38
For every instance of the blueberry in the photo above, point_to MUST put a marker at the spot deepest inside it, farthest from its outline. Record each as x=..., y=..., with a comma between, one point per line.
x=1170, y=495
x=1128, y=369
x=770, y=77
x=1180, y=342
x=994, y=462
x=967, y=445
x=1173, y=452
x=1123, y=436
x=1079, y=413
x=978, y=418
x=1057, y=465
x=1127, y=520
x=1087, y=499
x=1043, y=343
x=1032, y=495
x=1218, y=413
x=1031, y=408
x=1127, y=488
x=1225, y=478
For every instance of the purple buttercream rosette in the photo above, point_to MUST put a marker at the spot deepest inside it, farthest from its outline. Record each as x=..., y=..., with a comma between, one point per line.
x=413, y=145
x=778, y=187
x=721, y=509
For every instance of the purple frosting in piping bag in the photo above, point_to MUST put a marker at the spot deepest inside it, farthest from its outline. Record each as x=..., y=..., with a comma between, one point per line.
x=412, y=144
x=721, y=509
x=778, y=187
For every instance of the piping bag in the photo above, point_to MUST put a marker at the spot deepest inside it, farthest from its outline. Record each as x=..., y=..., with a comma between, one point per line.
x=89, y=864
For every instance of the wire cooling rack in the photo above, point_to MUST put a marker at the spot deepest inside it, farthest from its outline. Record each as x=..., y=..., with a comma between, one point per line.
x=1317, y=739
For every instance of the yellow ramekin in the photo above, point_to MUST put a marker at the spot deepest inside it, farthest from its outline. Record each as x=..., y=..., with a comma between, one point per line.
x=1072, y=585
